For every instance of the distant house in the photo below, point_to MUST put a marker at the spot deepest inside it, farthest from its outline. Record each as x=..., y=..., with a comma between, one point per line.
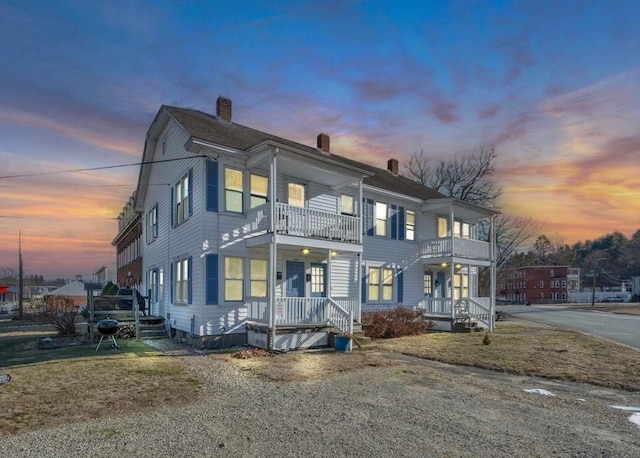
x=74, y=289
x=247, y=237
x=541, y=284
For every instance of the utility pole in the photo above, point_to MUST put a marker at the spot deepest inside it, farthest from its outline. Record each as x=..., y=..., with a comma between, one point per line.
x=20, y=277
x=593, y=286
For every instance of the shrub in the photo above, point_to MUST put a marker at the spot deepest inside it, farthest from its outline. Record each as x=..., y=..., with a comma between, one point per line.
x=59, y=311
x=397, y=322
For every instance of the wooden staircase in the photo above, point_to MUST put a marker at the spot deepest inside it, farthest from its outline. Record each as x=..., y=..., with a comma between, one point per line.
x=152, y=327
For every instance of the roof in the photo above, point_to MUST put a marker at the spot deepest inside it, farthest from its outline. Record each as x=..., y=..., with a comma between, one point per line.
x=210, y=129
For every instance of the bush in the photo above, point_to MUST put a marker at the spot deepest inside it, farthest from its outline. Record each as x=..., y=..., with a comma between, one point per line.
x=59, y=311
x=397, y=322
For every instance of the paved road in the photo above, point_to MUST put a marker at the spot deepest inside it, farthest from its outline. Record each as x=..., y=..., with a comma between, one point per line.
x=624, y=329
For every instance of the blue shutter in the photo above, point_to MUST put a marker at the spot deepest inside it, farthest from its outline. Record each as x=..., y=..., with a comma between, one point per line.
x=212, y=278
x=171, y=283
x=370, y=218
x=171, y=210
x=212, y=186
x=401, y=223
x=190, y=196
x=400, y=286
x=364, y=285
x=189, y=280
x=394, y=223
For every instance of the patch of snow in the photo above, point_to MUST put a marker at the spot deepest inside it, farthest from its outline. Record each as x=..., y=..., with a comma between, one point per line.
x=540, y=391
x=627, y=408
x=580, y=399
x=635, y=419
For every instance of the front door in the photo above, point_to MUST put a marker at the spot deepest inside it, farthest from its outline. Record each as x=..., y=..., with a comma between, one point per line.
x=318, y=280
x=295, y=279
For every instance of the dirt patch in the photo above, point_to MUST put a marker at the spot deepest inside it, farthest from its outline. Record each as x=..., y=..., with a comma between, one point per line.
x=299, y=367
x=63, y=341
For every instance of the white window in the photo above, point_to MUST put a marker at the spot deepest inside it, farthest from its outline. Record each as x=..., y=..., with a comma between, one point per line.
x=564, y=296
x=557, y=283
x=460, y=229
x=233, y=190
x=541, y=284
x=296, y=194
x=181, y=281
x=460, y=286
x=541, y=295
x=411, y=225
x=233, y=279
x=181, y=208
x=381, y=219
x=347, y=206
x=152, y=224
x=258, y=277
x=564, y=284
x=259, y=190
x=380, y=284
x=153, y=285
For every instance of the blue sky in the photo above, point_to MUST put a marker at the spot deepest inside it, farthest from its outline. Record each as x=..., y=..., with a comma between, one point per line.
x=553, y=85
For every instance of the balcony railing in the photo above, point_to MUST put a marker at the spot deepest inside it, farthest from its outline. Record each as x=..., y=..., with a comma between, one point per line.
x=305, y=222
x=456, y=246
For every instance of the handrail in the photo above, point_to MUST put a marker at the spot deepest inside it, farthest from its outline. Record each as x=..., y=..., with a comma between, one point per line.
x=480, y=312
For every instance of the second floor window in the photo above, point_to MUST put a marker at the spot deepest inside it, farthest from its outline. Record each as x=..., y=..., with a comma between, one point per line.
x=460, y=229
x=381, y=219
x=182, y=203
x=410, y=225
x=296, y=194
x=233, y=190
x=152, y=224
x=347, y=205
x=259, y=190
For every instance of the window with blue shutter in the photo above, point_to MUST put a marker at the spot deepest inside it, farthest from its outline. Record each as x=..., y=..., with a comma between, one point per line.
x=212, y=186
x=369, y=226
x=401, y=223
x=394, y=222
x=212, y=278
x=400, y=286
x=171, y=209
x=171, y=284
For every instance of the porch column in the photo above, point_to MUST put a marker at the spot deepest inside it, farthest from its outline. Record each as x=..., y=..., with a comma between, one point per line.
x=452, y=267
x=451, y=233
x=359, y=288
x=492, y=286
x=360, y=212
x=273, y=250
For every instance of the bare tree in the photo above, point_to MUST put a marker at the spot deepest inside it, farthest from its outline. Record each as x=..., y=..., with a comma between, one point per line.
x=468, y=176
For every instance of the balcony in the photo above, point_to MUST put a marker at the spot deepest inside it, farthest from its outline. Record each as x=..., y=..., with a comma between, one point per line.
x=447, y=247
x=305, y=222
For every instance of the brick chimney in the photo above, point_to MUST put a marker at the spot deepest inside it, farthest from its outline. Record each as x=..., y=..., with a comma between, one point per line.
x=323, y=143
x=223, y=109
x=392, y=166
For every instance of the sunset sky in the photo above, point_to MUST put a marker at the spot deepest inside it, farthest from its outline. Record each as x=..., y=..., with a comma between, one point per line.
x=554, y=86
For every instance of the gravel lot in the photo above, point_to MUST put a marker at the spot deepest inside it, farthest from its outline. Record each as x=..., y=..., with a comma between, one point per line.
x=414, y=408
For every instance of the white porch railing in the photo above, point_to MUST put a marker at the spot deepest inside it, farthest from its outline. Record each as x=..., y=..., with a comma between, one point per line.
x=456, y=246
x=301, y=310
x=306, y=222
x=478, y=308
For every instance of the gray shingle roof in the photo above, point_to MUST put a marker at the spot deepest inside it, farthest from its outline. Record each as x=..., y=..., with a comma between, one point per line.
x=209, y=128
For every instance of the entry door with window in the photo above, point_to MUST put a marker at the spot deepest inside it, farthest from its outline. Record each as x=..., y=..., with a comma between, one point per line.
x=318, y=280
x=427, y=282
x=295, y=279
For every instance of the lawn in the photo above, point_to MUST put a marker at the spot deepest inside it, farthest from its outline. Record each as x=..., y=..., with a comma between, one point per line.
x=77, y=383
x=523, y=348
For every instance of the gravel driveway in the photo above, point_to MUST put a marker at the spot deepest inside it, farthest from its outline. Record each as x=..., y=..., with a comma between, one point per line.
x=414, y=408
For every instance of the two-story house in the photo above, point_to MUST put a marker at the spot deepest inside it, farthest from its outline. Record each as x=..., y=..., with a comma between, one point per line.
x=250, y=237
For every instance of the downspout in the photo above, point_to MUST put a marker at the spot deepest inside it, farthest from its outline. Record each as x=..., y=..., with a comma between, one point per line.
x=272, y=251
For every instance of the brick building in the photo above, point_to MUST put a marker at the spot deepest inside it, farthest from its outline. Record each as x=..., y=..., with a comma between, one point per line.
x=541, y=284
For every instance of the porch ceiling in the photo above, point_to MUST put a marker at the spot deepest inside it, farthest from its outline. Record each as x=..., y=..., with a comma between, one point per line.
x=293, y=242
x=309, y=169
x=437, y=262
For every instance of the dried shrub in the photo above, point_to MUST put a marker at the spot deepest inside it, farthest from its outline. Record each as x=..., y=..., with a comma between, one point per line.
x=59, y=311
x=397, y=322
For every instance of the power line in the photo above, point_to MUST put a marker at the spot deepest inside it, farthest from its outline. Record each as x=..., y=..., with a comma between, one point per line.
x=90, y=169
